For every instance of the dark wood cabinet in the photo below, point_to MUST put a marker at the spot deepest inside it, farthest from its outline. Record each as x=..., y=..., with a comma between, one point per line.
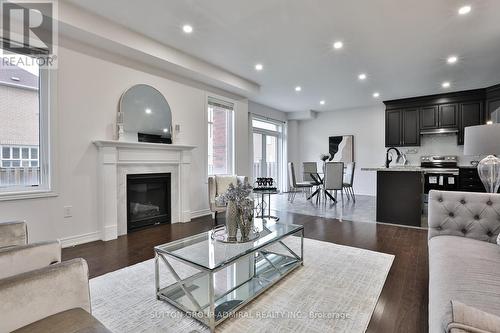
x=470, y=114
x=492, y=100
x=411, y=127
x=429, y=117
x=447, y=117
x=402, y=128
x=393, y=128
x=407, y=119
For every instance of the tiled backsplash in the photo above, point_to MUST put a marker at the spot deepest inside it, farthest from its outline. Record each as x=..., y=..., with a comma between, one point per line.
x=437, y=144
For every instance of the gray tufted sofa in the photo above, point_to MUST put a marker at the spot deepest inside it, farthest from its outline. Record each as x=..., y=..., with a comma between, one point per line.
x=464, y=259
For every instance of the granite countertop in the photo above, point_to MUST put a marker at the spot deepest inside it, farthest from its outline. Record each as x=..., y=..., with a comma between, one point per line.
x=410, y=168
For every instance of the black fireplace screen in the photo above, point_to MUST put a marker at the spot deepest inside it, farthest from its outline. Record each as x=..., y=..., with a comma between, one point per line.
x=148, y=200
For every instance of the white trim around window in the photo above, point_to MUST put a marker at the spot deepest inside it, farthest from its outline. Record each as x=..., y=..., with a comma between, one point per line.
x=233, y=103
x=47, y=144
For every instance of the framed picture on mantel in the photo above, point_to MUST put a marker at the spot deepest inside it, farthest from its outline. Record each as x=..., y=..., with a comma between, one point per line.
x=341, y=148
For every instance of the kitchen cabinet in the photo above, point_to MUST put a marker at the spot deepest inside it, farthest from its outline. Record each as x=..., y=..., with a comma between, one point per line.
x=429, y=117
x=469, y=181
x=448, y=116
x=393, y=128
x=402, y=128
x=470, y=114
x=409, y=118
x=492, y=100
x=411, y=127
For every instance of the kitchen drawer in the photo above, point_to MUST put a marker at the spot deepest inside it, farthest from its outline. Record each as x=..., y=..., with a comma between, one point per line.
x=468, y=172
x=472, y=188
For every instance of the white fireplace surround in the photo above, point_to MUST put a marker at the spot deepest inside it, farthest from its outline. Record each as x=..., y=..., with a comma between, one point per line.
x=117, y=159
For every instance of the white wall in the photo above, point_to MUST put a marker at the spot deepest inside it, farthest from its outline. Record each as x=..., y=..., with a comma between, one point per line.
x=266, y=111
x=367, y=126
x=88, y=95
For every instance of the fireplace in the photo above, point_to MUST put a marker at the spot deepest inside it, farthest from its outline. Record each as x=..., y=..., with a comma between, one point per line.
x=148, y=200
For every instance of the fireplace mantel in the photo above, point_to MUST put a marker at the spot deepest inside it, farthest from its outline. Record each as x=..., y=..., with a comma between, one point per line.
x=119, y=158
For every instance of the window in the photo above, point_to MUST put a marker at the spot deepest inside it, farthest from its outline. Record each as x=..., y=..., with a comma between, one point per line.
x=24, y=136
x=220, y=137
x=24, y=157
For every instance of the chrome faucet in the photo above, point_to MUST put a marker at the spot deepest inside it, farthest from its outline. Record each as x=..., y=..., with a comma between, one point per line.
x=388, y=159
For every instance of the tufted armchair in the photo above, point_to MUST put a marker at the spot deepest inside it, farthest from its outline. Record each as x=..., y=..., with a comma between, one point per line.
x=464, y=260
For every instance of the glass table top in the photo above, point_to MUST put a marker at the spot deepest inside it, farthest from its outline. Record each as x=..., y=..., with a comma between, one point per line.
x=207, y=253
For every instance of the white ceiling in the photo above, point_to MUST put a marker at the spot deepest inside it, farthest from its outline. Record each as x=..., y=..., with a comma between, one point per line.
x=402, y=45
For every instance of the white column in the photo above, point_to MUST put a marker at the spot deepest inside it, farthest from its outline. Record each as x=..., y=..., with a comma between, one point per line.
x=185, y=183
x=108, y=190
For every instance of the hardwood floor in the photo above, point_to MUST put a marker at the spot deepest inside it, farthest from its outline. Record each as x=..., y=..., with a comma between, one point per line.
x=402, y=306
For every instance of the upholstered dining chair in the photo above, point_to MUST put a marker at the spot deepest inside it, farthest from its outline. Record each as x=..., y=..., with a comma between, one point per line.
x=217, y=185
x=349, y=180
x=334, y=179
x=295, y=186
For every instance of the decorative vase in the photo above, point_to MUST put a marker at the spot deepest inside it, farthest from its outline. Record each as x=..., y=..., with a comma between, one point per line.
x=246, y=220
x=232, y=217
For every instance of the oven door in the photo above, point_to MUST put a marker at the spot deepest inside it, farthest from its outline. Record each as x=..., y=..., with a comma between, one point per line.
x=440, y=181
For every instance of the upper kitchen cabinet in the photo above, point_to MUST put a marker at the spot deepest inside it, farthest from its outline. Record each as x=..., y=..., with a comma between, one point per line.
x=492, y=99
x=448, y=116
x=402, y=128
x=470, y=114
x=429, y=117
x=411, y=127
x=393, y=128
x=407, y=119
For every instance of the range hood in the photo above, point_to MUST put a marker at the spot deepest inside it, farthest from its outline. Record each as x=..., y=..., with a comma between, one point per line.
x=439, y=131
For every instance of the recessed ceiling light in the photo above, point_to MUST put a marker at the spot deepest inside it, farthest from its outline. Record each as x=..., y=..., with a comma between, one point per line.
x=259, y=67
x=298, y=88
x=187, y=28
x=362, y=76
x=464, y=10
x=322, y=102
x=446, y=84
x=165, y=130
x=338, y=45
x=452, y=59
x=376, y=95
x=148, y=111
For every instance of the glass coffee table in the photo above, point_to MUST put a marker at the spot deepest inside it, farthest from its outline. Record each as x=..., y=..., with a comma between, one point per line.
x=214, y=279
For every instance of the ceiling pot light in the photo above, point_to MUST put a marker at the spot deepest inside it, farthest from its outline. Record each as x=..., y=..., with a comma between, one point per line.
x=148, y=111
x=338, y=45
x=298, y=88
x=362, y=76
x=452, y=59
x=464, y=10
x=376, y=95
x=259, y=67
x=446, y=84
x=187, y=28
x=322, y=102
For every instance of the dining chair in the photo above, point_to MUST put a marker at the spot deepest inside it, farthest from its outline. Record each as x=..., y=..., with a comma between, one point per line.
x=334, y=180
x=295, y=186
x=308, y=169
x=349, y=180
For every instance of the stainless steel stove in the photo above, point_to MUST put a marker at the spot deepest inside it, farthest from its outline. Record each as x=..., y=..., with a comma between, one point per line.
x=440, y=172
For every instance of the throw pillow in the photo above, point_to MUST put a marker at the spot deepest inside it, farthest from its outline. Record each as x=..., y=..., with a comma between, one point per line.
x=222, y=183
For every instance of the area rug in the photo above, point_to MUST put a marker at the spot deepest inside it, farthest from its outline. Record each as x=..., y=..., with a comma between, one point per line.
x=335, y=291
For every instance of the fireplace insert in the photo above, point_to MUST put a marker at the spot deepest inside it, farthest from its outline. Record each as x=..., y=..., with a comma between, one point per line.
x=148, y=200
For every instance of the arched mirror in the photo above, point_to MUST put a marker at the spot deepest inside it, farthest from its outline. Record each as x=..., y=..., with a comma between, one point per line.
x=145, y=115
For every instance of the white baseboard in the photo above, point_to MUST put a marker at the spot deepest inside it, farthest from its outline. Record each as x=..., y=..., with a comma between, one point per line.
x=80, y=239
x=200, y=213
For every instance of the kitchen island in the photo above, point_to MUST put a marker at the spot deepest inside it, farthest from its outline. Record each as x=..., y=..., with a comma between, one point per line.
x=399, y=194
